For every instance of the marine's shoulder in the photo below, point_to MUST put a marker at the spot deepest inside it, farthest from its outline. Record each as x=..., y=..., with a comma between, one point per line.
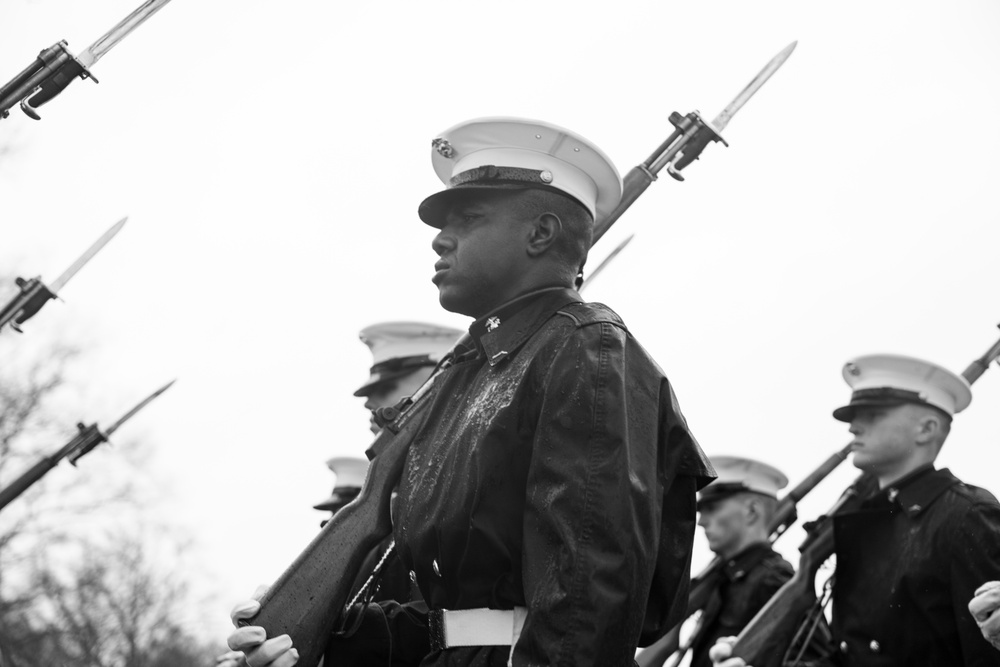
x=584, y=313
x=971, y=494
x=962, y=496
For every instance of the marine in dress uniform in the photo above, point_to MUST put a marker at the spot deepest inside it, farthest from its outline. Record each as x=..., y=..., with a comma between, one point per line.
x=734, y=512
x=911, y=555
x=403, y=356
x=547, y=503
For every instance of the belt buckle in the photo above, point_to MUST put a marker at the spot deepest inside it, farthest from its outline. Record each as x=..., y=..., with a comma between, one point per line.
x=435, y=629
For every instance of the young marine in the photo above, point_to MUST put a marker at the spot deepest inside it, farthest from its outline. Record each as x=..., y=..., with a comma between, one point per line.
x=910, y=556
x=735, y=511
x=547, y=504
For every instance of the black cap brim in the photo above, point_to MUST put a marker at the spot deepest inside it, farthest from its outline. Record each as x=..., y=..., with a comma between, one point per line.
x=434, y=209
x=846, y=412
x=368, y=388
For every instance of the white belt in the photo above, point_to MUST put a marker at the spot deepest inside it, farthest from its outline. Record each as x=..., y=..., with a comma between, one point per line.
x=476, y=627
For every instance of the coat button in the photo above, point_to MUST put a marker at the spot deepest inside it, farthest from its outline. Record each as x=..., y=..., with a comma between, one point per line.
x=874, y=646
x=843, y=647
x=434, y=566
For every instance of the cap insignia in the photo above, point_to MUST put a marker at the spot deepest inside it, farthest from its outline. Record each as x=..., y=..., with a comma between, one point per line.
x=443, y=148
x=493, y=323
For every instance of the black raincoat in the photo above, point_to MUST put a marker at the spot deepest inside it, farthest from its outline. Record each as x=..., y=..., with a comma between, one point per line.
x=908, y=561
x=555, y=472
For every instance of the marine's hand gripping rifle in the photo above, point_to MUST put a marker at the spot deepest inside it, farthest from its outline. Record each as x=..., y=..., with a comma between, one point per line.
x=776, y=627
x=308, y=598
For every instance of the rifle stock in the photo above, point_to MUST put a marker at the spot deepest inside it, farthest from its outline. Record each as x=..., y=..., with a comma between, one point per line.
x=308, y=598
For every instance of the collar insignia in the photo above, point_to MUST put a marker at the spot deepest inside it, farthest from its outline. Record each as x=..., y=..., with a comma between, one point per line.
x=493, y=323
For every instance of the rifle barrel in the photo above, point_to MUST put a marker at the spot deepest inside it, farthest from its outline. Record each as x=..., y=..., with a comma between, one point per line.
x=88, y=436
x=979, y=366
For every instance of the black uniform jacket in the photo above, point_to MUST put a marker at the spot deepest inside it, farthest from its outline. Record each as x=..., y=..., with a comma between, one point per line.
x=908, y=562
x=751, y=577
x=555, y=472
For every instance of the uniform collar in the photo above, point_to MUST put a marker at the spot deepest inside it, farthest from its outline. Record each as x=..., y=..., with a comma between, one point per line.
x=739, y=565
x=499, y=333
x=918, y=490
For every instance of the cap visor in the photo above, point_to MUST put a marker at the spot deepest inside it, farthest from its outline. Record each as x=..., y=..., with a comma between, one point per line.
x=434, y=209
x=368, y=388
x=846, y=413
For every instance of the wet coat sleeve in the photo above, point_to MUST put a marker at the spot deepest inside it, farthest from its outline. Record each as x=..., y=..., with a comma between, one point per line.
x=593, y=503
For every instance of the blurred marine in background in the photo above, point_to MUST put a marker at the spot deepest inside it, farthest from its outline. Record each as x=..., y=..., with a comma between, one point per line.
x=735, y=511
x=403, y=356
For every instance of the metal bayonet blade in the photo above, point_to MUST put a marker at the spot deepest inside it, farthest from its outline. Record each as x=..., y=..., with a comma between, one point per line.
x=106, y=42
x=57, y=285
x=114, y=427
x=607, y=260
x=727, y=114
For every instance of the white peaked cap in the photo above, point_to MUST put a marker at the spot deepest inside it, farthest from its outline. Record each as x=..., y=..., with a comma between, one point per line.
x=892, y=379
x=350, y=477
x=517, y=153
x=350, y=471
x=741, y=475
x=399, y=348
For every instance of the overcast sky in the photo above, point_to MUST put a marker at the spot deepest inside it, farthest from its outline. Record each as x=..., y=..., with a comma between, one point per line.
x=271, y=156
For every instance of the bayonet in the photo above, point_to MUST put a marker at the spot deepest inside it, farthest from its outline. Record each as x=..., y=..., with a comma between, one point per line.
x=34, y=293
x=131, y=413
x=55, y=68
x=690, y=136
x=722, y=120
x=83, y=442
x=607, y=260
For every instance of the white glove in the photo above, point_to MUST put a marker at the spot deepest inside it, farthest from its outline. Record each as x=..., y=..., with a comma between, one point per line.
x=231, y=659
x=721, y=651
x=983, y=607
x=250, y=645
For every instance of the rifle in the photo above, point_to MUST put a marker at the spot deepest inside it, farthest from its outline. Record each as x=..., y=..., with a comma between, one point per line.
x=309, y=597
x=705, y=583
x=34, y=293
x=55, y=67
x=79, y=446
x=773, y=630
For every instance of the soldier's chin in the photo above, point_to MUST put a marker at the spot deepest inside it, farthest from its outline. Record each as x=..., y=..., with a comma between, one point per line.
x=452, y=301
x=373, y=427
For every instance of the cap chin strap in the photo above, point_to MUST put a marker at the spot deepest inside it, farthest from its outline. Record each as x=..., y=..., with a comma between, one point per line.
x=888, y=392
x=490, y=174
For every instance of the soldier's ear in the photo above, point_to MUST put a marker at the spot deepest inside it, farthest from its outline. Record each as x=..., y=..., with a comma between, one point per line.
x=929, y=428
x=544, y=231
